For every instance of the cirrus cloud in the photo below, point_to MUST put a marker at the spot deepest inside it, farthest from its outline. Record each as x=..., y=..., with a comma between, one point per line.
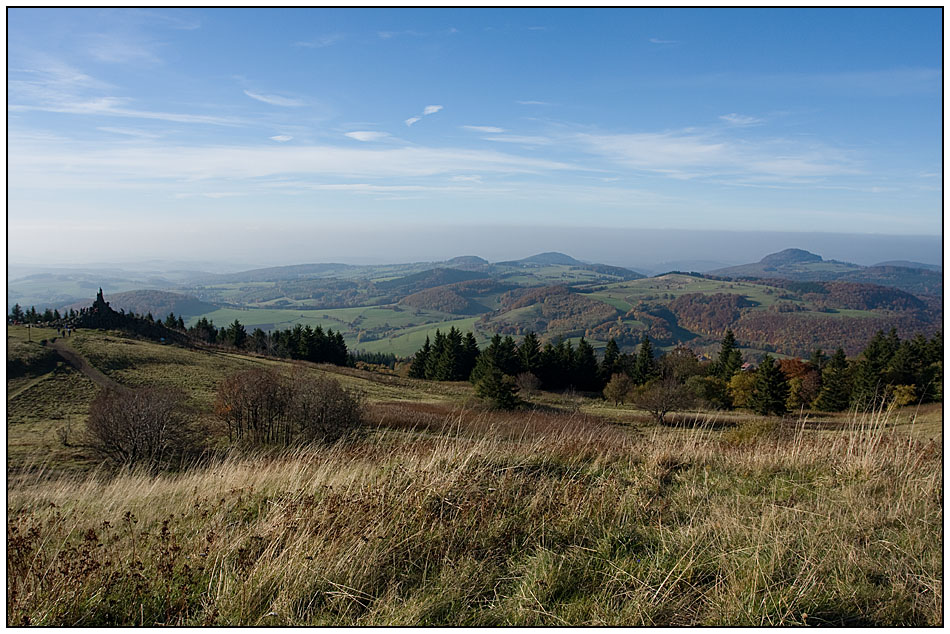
x=274, y=100
x=367, y=135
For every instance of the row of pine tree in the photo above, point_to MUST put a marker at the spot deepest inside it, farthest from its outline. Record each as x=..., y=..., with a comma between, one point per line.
x=888, y=369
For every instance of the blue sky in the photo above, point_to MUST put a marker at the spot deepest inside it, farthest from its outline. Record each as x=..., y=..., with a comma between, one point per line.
x=290, y=135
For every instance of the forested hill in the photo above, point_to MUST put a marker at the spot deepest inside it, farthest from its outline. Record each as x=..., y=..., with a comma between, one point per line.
x=390, y=309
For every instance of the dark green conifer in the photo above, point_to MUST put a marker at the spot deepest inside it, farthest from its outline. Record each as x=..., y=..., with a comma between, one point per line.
x=730, y=358
x=644, y=366
x=529, y=353
x=835, y=393
x=420, y=361
x=586, y=369
x=770, y=390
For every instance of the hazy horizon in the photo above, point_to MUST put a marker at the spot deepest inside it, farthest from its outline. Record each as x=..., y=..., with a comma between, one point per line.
x=626, y=136
x=645, y=249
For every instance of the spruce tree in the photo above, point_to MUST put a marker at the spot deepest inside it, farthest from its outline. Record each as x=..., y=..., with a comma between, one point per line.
x=433, y=363
x=497, y=388
x=420, y=361
x=468, y=357
x=529, y=353
x=486, y=359
x=586, y=369
x=447, y=357
x=611, y=363
x=644, y=366
x=835, y=393
x=565, y=362
x=730, y=358
x=507, y=356
x=236, y=334
x=770, y=390
x=17, y=313
x=870, y=372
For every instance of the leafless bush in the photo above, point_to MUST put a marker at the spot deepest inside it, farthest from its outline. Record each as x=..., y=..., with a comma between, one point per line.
x=662, y=396
x=321, y=409
x=148, y=426
x=265, y=407
x=253, y=404
x=527, y=383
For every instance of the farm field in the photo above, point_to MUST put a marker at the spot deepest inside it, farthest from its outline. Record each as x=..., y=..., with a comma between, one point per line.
x=624, y=295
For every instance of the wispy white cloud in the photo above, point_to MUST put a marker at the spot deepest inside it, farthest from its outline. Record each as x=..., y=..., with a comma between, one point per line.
x=367, y=135
x=484, y=128
x=114, y=49
x=387, y=35
x=537, y=28
x=321, y=42
x=740, y=120
x=656, y=40
x=274, y=100
x=690, y=154
x=111, y=106
x=876, y=83
x=213, y=195
x=534, y=103
x=281, y=138
x=181, y=20
x=426, y=112
x=141, y=134
x=57, y=87
x=90, y=165
x=521, y=139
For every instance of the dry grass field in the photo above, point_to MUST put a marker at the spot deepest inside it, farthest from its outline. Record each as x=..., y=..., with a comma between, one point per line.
x=443, y=513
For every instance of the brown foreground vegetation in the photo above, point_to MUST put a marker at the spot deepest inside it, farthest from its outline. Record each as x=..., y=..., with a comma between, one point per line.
x=489, y=518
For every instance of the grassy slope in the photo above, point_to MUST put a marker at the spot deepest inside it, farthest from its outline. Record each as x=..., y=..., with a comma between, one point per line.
x=446, y=514
x=39, y=406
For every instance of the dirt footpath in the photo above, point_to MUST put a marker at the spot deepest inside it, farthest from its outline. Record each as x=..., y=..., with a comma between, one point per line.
x=80, y=363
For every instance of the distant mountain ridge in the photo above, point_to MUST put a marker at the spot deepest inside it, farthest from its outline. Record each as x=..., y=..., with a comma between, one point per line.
x=544, y=259
x=804, y=266
x=910, y=265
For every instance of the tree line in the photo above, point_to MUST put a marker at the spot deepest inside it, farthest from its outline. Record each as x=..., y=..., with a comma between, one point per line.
x=298, y=342
x=887, y=370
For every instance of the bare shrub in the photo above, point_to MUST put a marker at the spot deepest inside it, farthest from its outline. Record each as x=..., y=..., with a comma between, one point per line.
x=527, y=383
x=148, y=426
x=253, y=405
x=321, y=409
x=262, y=406
x=662, y=396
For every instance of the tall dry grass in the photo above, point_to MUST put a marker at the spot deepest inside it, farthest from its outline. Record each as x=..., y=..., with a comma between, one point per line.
x=493, y=519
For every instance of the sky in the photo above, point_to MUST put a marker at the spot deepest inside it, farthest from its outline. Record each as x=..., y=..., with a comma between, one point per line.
x=305, y=135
